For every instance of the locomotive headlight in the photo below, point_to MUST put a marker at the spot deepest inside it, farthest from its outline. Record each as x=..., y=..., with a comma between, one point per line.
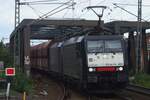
x=91, y=69
x=120, y=68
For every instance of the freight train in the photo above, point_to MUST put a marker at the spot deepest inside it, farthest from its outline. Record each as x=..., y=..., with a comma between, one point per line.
x=88, y=61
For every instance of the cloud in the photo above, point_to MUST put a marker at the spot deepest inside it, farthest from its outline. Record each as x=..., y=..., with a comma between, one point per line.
x=6, y=17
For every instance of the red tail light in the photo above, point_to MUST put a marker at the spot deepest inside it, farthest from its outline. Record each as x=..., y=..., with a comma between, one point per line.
x=107, y=69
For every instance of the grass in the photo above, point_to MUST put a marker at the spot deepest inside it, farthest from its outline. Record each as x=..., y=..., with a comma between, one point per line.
x=22, y=83
x=142, y=79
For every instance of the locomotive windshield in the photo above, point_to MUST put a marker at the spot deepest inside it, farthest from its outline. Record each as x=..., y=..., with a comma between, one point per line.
x=113, y=45
x=95, y=46
x=104, y=45
x=103, y=53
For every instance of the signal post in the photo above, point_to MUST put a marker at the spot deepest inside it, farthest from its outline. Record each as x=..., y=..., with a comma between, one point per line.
x=6, y=75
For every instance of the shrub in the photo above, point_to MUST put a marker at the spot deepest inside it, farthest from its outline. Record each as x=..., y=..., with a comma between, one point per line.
x=5, y=55
x=142, y=79
x=22, y=83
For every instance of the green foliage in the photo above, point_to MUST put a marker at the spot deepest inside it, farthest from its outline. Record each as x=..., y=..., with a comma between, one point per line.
x=22, y=83
x=2, y=74
x=5, y=55
x=142, y=80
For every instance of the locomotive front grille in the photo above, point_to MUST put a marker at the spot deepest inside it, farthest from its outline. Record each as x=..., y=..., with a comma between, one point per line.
x=103, y=78
x=107, y=77
x=92, y=79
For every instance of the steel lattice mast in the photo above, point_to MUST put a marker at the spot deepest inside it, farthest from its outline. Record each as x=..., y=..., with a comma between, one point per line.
x=17, y=12
x=139, y=37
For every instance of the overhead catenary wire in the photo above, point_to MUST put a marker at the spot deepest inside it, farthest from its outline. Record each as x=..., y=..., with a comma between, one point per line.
x=60, y=10
x=53, y=2
x=36, y=12
x=127, y=11
x=42, y=17
x=43, y=2
x=45, y=15
x=27, y=3
x=40, y=1
x=111, y=9
x=65, y=13
x=46, y=2
x=132, y=14
x=132, y=5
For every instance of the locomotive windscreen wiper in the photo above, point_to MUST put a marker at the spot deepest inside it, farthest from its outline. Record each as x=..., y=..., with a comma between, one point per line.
x=99, y=49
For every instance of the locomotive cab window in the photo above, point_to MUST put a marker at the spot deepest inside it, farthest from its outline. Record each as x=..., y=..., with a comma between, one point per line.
x=95, y=46
x=113, y=45
x=104, y=45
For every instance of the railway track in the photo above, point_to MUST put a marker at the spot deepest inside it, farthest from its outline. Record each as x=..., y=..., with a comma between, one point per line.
x=139, y=89
x=131, y=92
x=137, y=92
x=109, y=97
x=65, y=94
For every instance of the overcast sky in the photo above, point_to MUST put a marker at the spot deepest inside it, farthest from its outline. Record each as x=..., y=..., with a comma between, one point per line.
x=34, y=11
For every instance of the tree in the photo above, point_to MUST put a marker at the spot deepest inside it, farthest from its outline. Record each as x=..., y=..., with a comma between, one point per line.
x=5, y=55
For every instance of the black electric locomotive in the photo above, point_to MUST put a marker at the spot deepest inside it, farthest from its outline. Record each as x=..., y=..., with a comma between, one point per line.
x=91, y=62
x=87, y=60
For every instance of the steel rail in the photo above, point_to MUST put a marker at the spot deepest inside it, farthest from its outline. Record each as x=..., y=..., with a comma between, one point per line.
x=138, y=89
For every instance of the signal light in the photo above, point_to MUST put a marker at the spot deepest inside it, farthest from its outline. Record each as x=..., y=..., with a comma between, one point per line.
x=10, y=71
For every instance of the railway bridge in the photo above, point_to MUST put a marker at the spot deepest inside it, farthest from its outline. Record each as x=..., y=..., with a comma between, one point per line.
x=49, y=29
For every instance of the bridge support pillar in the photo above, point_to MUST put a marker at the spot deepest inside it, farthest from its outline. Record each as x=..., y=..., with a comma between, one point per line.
x=26, y=43
x=132, y=54
x=144, y=56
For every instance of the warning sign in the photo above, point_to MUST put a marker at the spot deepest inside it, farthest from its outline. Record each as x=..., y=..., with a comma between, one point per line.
x=10, y=71
x=26, y=60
